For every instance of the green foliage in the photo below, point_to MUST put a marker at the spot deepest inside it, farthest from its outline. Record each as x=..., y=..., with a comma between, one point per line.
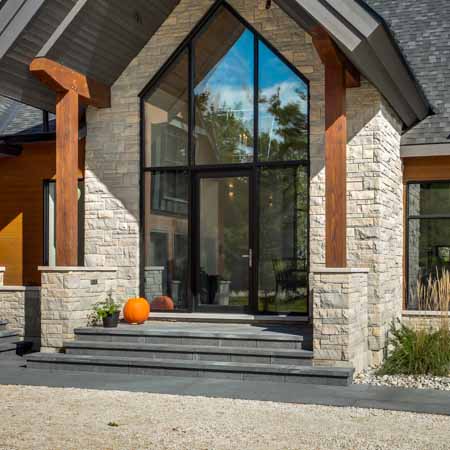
x=106, y=308
x=418, y=352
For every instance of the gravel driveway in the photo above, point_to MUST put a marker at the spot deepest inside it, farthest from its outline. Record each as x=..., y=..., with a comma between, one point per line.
x=38, y=418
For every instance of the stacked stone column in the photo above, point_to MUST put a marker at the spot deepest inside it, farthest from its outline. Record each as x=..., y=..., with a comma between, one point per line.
x=68, y=295
x=340, y=318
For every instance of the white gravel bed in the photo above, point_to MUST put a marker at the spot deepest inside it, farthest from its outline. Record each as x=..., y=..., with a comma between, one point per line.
x=404, y=381
x=40, y=418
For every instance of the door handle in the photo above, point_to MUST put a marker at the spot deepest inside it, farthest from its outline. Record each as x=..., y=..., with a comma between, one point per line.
x=249, y=256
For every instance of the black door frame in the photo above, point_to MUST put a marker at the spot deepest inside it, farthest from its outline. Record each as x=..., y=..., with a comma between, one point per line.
x=195, y=238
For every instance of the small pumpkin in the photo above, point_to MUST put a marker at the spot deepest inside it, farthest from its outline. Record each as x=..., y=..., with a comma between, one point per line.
x=136, y=310
x=163, y=303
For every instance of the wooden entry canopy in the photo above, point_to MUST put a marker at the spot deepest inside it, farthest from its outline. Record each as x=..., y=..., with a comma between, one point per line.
x=339, y=75
x=71, y=88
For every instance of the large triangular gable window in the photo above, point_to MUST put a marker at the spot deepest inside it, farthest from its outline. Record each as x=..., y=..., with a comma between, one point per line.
x=226, y=97
x=225, y=138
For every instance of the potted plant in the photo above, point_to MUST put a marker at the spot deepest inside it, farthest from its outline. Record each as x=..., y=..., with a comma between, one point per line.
x=108, y=311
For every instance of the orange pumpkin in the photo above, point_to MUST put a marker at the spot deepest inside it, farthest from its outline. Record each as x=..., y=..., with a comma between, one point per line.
x=163, y=303
x=136, y=310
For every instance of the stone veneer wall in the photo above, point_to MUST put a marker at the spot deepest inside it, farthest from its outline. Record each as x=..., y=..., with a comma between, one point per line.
x=67, y=298
x=20, y=306
x=340, y=317
x=112, y=142
x=426, y=320
x=375, y=208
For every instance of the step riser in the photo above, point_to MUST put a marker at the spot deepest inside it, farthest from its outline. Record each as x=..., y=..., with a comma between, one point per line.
x=192, y=356
x=9, y=339
x=9, y=355
x=160, y=371
x=212, y=342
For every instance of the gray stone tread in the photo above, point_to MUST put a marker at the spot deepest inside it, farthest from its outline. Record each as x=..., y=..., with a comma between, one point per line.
x=8, y=347
x=193, y=334
x=180, y=348
x=277, y=369
x=7, y=334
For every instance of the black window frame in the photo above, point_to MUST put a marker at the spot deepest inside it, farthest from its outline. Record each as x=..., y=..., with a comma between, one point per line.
x=419, y=217
x=192, y=169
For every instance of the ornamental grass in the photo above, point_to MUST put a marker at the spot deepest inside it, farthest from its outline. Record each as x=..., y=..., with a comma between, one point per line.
x=423, y=351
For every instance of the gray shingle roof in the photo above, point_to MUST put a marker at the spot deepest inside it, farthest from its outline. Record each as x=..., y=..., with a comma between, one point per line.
x=422, y=31
x=18, y=118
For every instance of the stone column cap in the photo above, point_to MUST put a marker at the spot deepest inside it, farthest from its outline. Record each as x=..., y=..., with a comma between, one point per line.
x=154, y=268
x=19, y=288
x=339, y=270
x=76, y=269
x=2, y=268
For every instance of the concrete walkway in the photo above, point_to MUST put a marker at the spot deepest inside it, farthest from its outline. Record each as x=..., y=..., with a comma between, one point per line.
x=361, y=396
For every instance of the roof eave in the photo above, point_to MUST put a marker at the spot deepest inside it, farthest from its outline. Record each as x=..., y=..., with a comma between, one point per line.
x=367, y=43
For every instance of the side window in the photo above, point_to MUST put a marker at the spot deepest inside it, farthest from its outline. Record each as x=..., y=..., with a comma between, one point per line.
x=50, y=205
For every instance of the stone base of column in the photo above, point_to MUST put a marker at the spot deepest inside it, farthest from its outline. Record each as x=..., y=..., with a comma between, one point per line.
x=340, y=317
x=68, y=295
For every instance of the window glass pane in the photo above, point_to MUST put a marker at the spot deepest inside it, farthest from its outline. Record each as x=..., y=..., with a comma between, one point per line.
x=165, y=229
x=166, y=117
x=50, y=208
x=283, y=248
x=429, y=198
x=428, y=256
x=223, y=90
x=283, y=109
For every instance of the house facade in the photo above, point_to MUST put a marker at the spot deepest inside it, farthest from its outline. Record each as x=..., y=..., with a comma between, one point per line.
x=284, y=159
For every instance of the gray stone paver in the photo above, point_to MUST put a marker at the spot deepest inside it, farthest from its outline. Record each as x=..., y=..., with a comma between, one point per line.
x=413, y=400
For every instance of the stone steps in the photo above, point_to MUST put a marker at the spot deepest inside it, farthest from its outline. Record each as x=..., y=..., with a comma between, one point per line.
x=183, y=368
x=7, y=337
x=11, y=344
x=146, y=335
x=8, y=342
x=238, y=352
x=190, y=352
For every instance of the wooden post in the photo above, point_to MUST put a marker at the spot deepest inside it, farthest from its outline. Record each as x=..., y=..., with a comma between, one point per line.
x=67, y=179
x=339, y=75
x=335, y=167
x=71, y=87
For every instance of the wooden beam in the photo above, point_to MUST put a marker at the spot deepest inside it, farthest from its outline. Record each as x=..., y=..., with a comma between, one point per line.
x=67, y=106
x=330, y=54
x=62, y=79
x=335, y=152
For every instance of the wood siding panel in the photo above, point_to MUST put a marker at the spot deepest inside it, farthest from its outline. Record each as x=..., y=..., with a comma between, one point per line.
x=426, y=168
x=21, y=210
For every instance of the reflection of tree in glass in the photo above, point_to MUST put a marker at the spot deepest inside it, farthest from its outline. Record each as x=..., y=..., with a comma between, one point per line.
x=226, y=129
x=288, y=137
x=283, y=219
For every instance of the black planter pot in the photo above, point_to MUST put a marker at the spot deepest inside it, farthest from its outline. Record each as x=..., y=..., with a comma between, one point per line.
x=111, y=321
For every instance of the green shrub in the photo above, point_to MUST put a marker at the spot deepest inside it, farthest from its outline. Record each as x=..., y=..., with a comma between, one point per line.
x=418, y=352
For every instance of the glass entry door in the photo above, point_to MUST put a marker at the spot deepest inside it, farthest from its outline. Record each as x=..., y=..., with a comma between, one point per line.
x=224, y=255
